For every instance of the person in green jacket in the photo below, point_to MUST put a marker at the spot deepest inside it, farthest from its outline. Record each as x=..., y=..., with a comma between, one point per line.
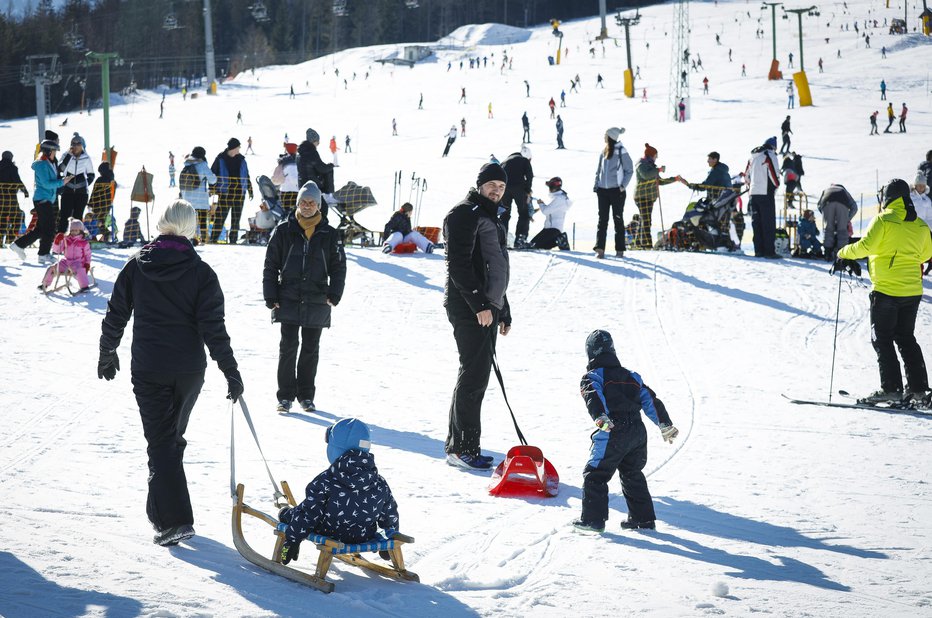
x=647, y=192
x=896, y=244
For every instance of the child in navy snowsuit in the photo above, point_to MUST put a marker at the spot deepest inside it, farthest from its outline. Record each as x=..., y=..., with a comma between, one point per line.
x=349, y=501
x=614, y=398
x=808, y=235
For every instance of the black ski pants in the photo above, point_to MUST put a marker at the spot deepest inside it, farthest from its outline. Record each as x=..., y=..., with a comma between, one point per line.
x=446, y=149
x=893, y=321
x=516, y=198
x=613, y=199
x=165, y=402
x=73, y=203
x=44, y=230
x=474, y=344
x=624, y=449
x=231, y=203
x=763, y=224
x=297, y=381
x=560, y=145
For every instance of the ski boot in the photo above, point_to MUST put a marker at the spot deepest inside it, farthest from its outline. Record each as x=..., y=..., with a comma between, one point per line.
x=882, y=396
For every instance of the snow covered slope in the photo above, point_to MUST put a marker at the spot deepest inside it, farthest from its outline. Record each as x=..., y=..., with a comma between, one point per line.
x=799, y=510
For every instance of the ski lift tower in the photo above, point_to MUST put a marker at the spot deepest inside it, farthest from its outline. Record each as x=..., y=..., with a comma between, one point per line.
x=626, y=23
x=104, y=59
x=209, y=49
x=41, y=71
x=679, y=65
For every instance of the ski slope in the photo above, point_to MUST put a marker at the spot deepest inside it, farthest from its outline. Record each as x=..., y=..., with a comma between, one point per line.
x=798, y=510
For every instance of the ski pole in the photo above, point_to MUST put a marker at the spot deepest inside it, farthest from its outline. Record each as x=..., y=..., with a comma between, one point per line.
x=394, y=192
x=831, y=379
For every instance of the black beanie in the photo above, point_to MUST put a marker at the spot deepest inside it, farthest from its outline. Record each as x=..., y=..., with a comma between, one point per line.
x=898, y=189
x=199, y=152
x=52, y=135
x=491, y=171
x=233, y=143
x=599, y=342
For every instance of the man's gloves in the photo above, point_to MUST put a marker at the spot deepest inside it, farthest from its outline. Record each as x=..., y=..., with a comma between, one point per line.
x=846, y=266
x=234, y=384
x=669, y=432
x=290, y=551
x=108, y=364
x=604, y=423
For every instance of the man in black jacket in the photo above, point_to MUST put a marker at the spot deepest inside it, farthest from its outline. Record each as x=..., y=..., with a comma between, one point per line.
x=311, y=167
x=477, y=307
x=303, y=278
x=179, y=308
x=518, y=192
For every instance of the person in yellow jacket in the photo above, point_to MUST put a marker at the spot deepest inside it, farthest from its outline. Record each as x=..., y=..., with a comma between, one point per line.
x=896, y=244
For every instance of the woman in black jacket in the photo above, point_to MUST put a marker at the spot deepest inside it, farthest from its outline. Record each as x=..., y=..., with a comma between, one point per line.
x=304, y=274
x=311, y=167
x=179, y=308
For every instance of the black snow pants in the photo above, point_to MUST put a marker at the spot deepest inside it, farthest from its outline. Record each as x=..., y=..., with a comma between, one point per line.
x=73, y=203
x=165, y=402
x=231, y=203
x=763, y=223
x=613, y=199
x=516, y=198
x=624, y=449
x=44, y=230
x=297, y=381
x=474, y=344
x=893, y=321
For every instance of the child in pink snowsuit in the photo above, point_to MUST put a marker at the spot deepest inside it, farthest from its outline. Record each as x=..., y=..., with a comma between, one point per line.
x=76, y=254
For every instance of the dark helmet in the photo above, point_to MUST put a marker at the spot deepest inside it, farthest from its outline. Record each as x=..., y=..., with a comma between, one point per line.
x=555, y=183
x=599, y=342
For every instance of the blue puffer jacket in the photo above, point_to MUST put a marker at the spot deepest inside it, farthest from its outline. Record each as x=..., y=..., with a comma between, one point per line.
x=608, y=388
x=47, y=181
x=348, y=502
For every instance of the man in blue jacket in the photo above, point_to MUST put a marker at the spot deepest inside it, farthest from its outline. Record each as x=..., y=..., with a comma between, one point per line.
x=232, y=184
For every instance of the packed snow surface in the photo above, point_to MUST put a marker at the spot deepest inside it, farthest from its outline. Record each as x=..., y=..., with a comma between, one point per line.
x=794, y=510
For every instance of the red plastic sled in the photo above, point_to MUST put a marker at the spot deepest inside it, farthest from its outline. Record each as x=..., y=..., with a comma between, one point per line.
x=405, y=247
x=525, y=472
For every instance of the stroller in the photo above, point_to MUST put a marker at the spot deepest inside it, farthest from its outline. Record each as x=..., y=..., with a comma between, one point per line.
x=706, y=225
x=349, y=201
x=259, y=231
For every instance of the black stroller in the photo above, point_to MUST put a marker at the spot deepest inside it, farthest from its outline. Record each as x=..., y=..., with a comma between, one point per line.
x=350, y=201
x=706, y=225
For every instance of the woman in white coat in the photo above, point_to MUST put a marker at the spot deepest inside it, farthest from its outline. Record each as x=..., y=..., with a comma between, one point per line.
x=555, y=212
x=195, y=177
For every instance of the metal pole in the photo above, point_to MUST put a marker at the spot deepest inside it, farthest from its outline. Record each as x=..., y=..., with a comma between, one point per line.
x=40, y=106
x=209, y=49
x=799, y=17
x=603, y=33
x=773, y=20
x=105, y=86
x=628, y=46
x=831, y=379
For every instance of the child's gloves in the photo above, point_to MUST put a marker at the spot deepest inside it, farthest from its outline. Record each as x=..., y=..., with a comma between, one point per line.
x=234, y=384
x=604, y=423
x=290, y=551
x=669, y=432
x=108, y=365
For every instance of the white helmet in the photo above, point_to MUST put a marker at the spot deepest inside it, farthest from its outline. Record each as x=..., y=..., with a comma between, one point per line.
x=525, y=151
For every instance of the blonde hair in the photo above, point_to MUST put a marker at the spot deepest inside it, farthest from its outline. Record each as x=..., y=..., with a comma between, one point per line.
x=179, y=219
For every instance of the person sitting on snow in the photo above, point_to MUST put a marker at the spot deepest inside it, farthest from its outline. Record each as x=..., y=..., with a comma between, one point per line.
x=398, y=230
x=555, y=212
x=809, y=245
x=132, y=233
x=614, y=398
x=349, y=501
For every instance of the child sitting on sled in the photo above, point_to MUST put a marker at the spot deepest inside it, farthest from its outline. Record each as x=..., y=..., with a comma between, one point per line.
x=349, y=501
x=809, y=245
x=76, y=255
x=614, y=397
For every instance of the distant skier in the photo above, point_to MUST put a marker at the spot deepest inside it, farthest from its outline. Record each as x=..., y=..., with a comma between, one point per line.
x=563, y=98
x=239, y=117
x=347, y=148
x=291, y=93
x=705, y=85
x=790, y=96
x=526, y=138
x=560, y=133
x=896, y=244
x=573, y=86
x=553, y=106
x=874, y=130
x=490, y=110
x=171, y=169
x=744, y=72
x=598, y=81
x=249, y=149
x=903, y=118
x=394, y=127
x=614, y=398
x=791, y=60
x=820, y=65
x=681, y=108
x=420, y=103
x=527, y=89
x=883, y=90
x=785, y=132
x=334, y=149
x=891, y=116
x=451, y=137
x=462, y=127
x=462, y=95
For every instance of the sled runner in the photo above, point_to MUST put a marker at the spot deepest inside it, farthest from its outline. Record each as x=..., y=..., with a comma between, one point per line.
x=328, y=549
x=66, y=280
x=525, y=472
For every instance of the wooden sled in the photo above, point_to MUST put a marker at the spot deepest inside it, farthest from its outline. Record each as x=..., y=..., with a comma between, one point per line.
x=328, y=549
x=65, y=280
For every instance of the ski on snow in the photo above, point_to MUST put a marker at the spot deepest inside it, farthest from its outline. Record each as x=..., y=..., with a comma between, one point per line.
x=897, y=407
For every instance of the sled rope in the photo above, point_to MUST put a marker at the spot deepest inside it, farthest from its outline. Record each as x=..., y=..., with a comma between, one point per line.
x=242, y=402
x=501, y=382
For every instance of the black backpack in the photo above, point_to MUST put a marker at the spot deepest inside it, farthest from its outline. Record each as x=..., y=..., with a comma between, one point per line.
x=189, y=180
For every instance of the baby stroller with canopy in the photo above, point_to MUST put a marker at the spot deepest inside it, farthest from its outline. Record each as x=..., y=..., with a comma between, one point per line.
x=352, y=199
x=705, y=226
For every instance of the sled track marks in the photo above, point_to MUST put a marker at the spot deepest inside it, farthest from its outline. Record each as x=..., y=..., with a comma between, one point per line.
x=40, y=445
x=540, y=278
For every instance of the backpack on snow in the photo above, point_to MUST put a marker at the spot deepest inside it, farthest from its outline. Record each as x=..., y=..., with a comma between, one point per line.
x=189, y=180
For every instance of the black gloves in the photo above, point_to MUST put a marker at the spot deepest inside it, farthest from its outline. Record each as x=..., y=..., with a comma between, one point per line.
x=846, y=266
x=270, y=304
x=234, y=384
x=290, y=551
x=108, y=364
